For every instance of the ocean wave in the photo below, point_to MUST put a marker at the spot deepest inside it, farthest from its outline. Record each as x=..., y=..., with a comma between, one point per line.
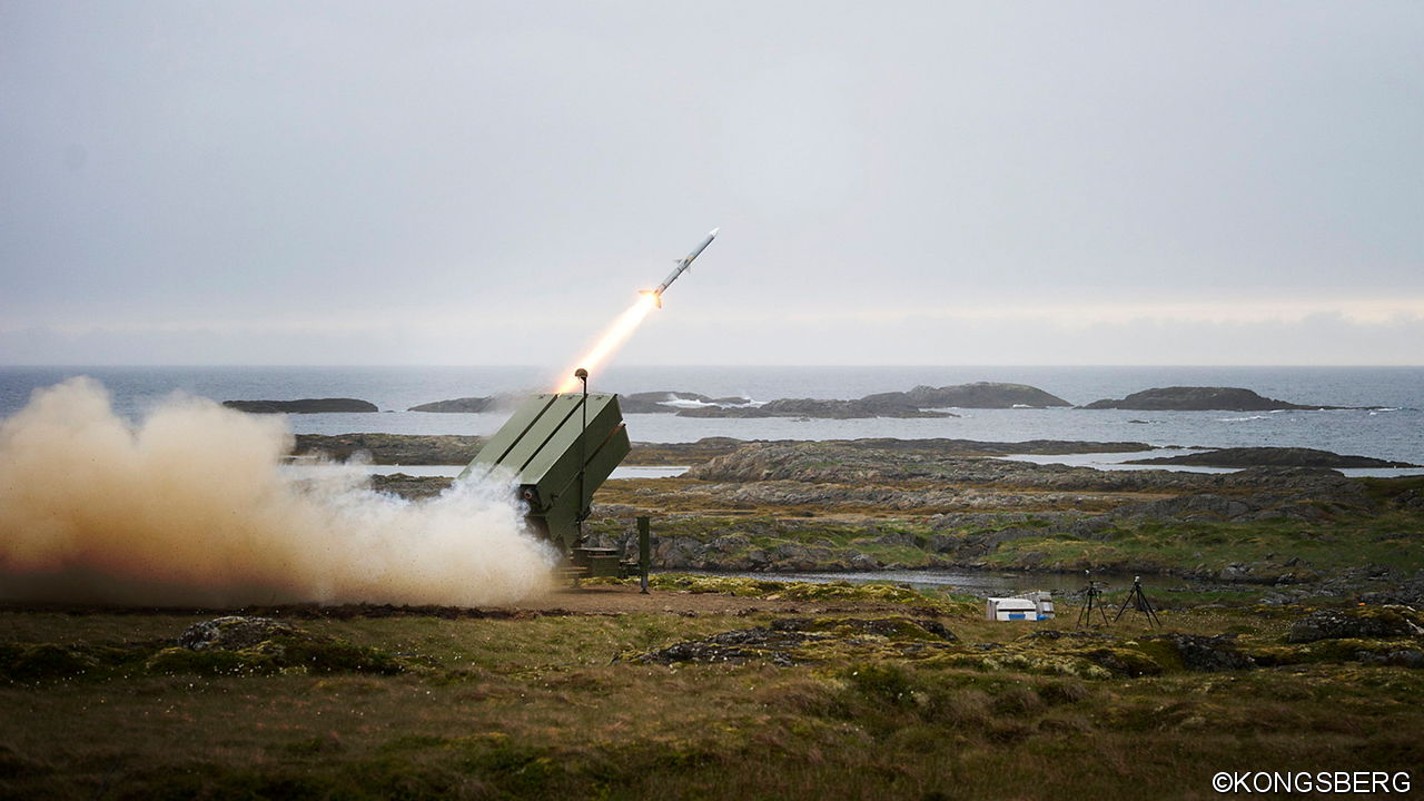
x=685, y=403
x=679, y=402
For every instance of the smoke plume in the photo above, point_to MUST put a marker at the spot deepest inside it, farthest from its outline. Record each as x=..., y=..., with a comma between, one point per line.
x=191, y=506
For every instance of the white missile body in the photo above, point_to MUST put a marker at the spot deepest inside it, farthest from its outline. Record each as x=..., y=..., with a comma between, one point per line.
x=682, y=265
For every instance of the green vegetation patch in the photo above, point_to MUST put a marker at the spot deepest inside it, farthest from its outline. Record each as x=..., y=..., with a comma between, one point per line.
x=885, y=705
x=283, y=649
x=281, y=654
x=795, y=641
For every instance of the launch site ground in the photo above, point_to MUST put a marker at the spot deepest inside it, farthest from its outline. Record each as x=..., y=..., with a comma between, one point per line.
x=1290, y=643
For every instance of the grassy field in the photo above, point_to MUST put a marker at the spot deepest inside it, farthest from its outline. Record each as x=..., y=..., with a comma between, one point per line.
x=736, y=688
x=830, y=692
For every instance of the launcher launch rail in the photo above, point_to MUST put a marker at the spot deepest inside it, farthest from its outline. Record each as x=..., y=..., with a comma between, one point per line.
x=561, y=447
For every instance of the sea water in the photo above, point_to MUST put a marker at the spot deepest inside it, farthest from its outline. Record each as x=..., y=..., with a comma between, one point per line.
x=1389, y=423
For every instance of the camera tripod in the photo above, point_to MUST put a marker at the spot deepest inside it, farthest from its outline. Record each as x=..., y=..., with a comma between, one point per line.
x=1139, y=601
x=1093, y=594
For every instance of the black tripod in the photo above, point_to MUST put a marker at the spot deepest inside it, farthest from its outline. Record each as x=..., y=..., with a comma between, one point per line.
x=1093, y=594
x=1139, y=601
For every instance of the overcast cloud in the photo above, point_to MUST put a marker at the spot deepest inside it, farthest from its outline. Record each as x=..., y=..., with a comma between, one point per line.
x=899, y=183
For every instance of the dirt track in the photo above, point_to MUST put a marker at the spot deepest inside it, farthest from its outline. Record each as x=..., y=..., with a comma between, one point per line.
x=603, y=599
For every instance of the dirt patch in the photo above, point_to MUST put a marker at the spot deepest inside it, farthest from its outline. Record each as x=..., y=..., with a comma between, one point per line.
x=612, y=600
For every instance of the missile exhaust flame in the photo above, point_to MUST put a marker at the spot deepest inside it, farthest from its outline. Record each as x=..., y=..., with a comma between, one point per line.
x=628, y=322
x=612, y=339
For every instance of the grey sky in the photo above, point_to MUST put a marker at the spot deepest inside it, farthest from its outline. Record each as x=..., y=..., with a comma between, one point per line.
x=943, y=183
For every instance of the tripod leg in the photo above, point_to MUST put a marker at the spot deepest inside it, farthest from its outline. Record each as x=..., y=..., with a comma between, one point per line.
x=1123, y=608
x=1151, y=613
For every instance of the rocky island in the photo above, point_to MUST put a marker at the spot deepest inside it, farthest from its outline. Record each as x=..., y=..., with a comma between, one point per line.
x=460, y=406
x=1198, y=399
x=1272, y=457
x=922, y=401
x=302, y=406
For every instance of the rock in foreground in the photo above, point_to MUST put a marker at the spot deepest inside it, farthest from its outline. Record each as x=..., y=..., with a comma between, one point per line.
x=1364, y=622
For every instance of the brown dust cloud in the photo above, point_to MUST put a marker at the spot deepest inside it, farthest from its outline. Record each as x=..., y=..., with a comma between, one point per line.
x=192, y=506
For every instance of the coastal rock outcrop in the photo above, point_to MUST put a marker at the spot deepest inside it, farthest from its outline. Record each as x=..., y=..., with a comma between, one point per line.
x=922, y=401
x=1272, y=457
x=407, y=449
x=302, y=406
x=456, y=406
x=873, y=406
x=471, y=405
x=1363, y=622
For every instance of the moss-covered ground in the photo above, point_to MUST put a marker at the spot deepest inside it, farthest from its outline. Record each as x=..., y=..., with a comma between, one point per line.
x=884, y=692
x=1031, y=531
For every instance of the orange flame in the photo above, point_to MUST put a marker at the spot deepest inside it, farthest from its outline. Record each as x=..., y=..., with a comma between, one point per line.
x=612, y=339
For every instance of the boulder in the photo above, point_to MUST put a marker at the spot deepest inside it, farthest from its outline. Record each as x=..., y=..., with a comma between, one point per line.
x=1199, y=652
x=1362, y=623
x=232, y=633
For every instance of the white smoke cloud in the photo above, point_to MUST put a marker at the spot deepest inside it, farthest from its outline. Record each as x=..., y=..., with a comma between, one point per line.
x=191, y=506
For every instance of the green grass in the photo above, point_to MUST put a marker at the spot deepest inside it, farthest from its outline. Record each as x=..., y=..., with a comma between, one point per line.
x=1289, y=549
x=545, y=706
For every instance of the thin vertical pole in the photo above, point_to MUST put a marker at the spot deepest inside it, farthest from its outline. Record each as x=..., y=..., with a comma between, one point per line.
x=582, y=375
x=645, y=551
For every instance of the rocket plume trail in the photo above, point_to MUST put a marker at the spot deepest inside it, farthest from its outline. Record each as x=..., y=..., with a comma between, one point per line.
x=628, y=322
x=612, y=339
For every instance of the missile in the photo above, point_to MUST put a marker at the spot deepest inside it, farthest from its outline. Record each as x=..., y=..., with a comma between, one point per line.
x=682, y=265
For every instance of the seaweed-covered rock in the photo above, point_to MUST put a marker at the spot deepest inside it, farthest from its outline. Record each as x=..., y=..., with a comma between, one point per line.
x=1363, y=622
